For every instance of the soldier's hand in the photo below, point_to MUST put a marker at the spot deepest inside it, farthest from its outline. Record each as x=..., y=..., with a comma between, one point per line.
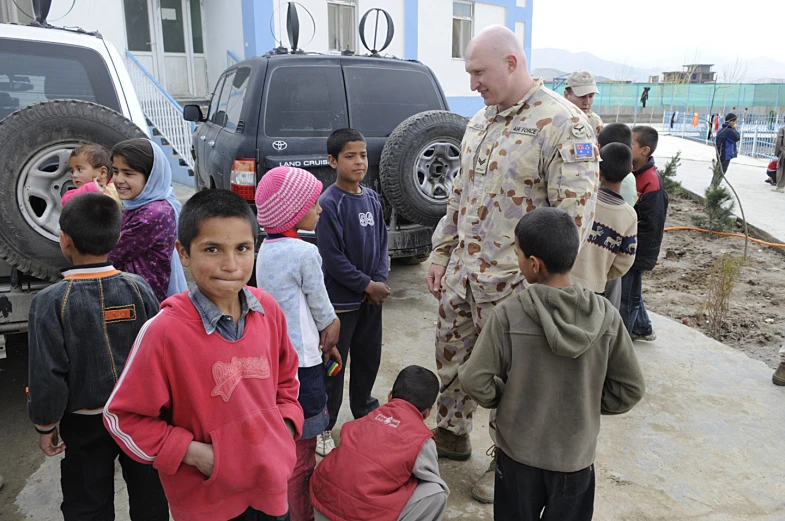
x=435, y=275
x=50, y=443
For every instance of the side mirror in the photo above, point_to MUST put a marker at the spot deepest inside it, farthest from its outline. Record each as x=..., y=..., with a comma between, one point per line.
x=193, y=113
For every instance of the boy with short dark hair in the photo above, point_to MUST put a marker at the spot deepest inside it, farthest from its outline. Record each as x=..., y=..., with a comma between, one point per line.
x=209, y=394
x=609, y=250
x=386, y=467
x=81, y=332
x=352, y=240
x=551, y=360
x=652, y=209
x=620, y=133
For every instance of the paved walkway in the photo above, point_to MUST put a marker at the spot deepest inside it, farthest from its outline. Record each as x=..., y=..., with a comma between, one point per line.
x=763, y=208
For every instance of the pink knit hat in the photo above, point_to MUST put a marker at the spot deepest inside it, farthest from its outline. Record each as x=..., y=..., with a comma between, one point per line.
x=284, y=196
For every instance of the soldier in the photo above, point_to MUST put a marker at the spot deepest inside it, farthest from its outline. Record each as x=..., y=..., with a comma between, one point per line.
x=528, y=148
x=580, y=90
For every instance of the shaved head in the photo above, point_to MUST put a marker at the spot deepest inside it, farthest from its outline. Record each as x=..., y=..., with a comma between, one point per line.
x=498, y=41
x=496, y=63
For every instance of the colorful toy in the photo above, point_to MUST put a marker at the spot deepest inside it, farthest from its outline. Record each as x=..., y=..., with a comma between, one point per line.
x=333, y=368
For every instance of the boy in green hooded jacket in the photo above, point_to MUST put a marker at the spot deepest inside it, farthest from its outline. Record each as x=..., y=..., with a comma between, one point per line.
x=551, y=359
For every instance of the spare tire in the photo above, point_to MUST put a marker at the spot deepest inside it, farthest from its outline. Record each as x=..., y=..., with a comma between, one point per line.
x=419, y=163
x=35, y=144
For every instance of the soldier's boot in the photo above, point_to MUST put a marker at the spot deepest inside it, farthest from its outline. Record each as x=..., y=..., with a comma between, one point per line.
x=779, y=375
x=452, y=446
x=482, y=491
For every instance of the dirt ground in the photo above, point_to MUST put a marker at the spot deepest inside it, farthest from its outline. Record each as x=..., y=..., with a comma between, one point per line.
x=677, y=287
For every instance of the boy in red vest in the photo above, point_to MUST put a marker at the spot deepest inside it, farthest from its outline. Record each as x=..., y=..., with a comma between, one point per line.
x=361, y=480
x=209, y=392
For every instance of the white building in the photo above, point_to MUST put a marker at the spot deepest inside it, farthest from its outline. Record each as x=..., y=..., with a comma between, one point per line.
x=186, y=44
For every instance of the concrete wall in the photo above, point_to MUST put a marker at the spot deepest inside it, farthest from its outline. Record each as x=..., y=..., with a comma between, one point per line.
x=104, y=16
x=222, y=32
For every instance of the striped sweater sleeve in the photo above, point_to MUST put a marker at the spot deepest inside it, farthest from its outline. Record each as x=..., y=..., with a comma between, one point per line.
x=133, y=413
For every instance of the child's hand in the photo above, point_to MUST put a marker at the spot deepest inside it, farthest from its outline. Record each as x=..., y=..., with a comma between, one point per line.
x=201, y=456
x=290, y=427
x=377, y=292
x=329, y=336
x=332, y=354
x=101, y=189
x=50, y=443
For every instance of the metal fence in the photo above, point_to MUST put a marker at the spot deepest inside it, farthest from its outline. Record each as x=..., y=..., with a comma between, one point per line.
x=758, y=132
x=161, y=109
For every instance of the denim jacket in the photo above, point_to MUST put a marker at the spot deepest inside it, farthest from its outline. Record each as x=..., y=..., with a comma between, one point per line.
x=81, y=331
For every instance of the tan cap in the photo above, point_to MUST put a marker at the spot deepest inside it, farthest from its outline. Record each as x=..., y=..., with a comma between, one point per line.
x=582, y=83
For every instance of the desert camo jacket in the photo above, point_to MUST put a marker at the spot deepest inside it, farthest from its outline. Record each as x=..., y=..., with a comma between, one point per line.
x=539, y=152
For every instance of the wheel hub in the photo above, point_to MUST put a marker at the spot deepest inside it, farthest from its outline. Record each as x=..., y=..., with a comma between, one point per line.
x=44, y=180
x=438, y=162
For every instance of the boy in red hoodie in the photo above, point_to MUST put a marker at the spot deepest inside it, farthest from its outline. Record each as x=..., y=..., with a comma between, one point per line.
x=209, y=393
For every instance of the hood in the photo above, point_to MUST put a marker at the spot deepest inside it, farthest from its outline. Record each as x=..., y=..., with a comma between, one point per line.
x=573, y=318
x=181, y=306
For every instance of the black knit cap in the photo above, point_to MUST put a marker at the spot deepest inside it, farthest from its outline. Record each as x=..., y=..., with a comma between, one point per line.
x=730, y=117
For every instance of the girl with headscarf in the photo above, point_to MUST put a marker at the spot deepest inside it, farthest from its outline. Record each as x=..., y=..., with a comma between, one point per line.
x=143, y=178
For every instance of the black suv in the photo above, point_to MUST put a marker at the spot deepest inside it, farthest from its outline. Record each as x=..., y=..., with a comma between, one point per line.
x=279, y=110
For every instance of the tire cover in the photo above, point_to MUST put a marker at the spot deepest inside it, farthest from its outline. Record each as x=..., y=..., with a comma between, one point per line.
x=402, y=161
x=24, y=135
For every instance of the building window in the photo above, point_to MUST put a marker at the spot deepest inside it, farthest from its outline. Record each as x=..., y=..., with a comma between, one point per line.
x=462, y=15
x=341, y=25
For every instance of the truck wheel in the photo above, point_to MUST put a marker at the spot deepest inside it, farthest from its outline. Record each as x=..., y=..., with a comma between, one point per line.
x=35, y=144
x=419, y=163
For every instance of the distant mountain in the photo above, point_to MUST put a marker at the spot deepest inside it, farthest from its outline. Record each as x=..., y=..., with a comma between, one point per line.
x=562, y=60
x=548, y=75
x=553, y=61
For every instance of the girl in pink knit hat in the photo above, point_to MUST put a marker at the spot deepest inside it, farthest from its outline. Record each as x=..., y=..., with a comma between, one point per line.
x=290, y=270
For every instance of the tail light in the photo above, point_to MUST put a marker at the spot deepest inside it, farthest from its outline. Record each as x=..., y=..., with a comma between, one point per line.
x=243, y=178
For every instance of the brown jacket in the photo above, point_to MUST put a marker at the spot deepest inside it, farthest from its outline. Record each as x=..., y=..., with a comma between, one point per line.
x=552, y=361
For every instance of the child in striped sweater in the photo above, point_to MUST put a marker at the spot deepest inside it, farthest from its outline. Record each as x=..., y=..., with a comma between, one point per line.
x=609, y=250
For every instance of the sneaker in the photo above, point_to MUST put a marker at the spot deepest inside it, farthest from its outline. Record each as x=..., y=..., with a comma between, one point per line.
x=651, y=337
x=779, y=375
x=452, y=446
x=482, y=491
x=325, y=443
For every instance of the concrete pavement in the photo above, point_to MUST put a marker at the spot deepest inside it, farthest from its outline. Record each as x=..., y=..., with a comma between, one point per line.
x=705, y=443
x=763, y=208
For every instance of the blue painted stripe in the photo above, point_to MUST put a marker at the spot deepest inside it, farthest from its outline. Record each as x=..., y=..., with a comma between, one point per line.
x=466, y=106
x=518, y=14
x=257, y=15
x=411, y=35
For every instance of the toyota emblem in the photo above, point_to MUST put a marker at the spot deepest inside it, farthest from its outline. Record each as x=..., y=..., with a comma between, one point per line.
x=279, y=145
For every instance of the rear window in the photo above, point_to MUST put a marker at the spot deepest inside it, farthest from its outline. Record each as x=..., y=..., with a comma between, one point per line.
x=34, y=72
x=305, y=102
x=380, y=99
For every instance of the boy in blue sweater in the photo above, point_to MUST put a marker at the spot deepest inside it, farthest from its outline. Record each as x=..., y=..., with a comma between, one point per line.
x=352, y=240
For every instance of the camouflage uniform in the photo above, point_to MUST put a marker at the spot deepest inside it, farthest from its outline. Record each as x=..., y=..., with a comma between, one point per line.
x=595, y=121
x=539, y=152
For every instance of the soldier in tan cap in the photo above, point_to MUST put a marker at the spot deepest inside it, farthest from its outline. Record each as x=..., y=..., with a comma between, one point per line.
x=528, y=148
x=580, y=90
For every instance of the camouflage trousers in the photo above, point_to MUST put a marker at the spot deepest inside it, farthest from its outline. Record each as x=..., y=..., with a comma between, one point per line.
x=459, y=325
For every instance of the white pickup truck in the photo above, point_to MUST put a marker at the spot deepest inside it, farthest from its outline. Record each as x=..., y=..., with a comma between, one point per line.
x=59, y=88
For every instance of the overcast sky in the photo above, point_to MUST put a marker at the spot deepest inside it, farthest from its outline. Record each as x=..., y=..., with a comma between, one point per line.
x=659, y=33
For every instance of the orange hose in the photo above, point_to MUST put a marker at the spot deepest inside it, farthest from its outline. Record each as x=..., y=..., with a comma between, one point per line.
x=724, y=234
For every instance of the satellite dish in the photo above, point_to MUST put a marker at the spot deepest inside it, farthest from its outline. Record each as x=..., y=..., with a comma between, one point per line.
x=41, y=10
x=390, y=30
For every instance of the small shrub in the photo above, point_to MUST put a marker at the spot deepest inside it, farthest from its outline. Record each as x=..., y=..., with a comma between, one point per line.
x=723, y=274
x=668, y=174
x=719, y=203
